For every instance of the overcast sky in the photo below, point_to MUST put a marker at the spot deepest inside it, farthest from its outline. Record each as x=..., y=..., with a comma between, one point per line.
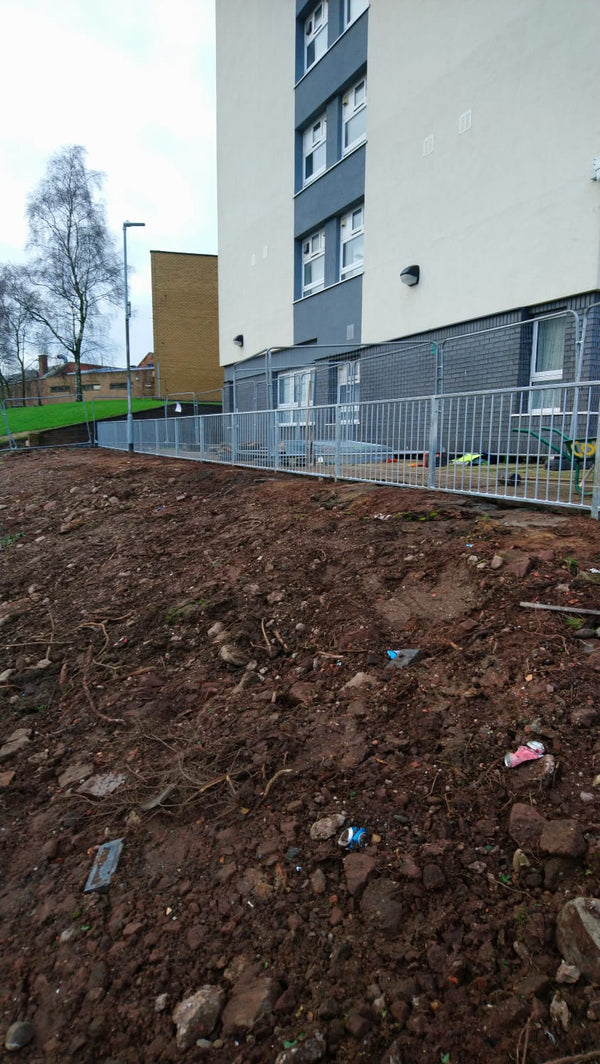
x=133, y=81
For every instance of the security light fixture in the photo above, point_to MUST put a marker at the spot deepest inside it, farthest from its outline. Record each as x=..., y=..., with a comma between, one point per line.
x=239, y=340
x=410, y=276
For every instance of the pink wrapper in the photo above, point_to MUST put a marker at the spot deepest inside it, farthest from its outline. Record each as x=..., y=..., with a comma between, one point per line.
x=531, y=752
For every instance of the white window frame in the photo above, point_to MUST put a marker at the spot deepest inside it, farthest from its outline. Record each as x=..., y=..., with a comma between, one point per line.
x=315, y=32
x=348, y=377
x=552, y=376
x=313, y=250
x=353, y=9
x=314, y=137
x=352, y=225
x=302, y=384
x=352, y=105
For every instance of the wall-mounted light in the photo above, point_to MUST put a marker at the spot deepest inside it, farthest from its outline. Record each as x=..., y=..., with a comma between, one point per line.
x=239, y=340
x=410, y=275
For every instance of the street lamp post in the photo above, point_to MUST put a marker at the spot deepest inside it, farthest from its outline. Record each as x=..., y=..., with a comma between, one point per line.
x=126, y=226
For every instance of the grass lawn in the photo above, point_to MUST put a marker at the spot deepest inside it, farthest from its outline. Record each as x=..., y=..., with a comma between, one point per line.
x=57, y=415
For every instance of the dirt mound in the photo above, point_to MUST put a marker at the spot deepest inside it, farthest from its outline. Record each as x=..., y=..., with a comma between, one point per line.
x=194, y=660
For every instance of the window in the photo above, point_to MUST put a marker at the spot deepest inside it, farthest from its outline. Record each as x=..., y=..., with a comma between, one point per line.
x=315, y=35
x=348, y=392
x=118, y=384
x=547, y=363
x=294, y=391
x=314, y=149
x=354, y=115
x=354, y=8
x=313, y=263
x=60, y=388
x=90, y=387
x=352, y=237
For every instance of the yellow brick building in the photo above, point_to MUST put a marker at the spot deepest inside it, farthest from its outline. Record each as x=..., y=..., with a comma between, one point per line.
x=185, y=318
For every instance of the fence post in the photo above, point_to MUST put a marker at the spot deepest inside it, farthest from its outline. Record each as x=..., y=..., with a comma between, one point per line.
x=201, y=437
x=337, y=441
x=234, y=440
x=275, y=441
x=596, y=487
x=156, y=436
x=433, y=440
x=176, y=424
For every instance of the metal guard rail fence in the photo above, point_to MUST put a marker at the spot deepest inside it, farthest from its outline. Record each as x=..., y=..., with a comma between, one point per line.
x=536, y=445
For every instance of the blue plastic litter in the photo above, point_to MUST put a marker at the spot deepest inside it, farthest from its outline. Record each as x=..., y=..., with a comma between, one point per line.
x=104, y=867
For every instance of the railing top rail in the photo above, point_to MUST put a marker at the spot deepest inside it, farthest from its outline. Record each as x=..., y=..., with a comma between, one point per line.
x=568, y=311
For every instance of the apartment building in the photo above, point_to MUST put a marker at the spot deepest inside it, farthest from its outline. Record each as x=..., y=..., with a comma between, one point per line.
x=399, y=173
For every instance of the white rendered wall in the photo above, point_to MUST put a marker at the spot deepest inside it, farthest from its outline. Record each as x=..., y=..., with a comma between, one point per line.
x=504, y=214
x=255, y=160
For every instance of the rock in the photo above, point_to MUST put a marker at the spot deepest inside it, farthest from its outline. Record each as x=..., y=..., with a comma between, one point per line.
x=358, y=869
x=532, y=773
x=216, y=630
x=327, y=826
x=15, y=742
x=381, y=906
x=518, y=563
x=562, y=838
x=160, y=1003
x=356, y=1024
x=309, y=1051
x=232, y=656
x=392, y=1055
x=404, y=658
x=557, y=869
x=197, y=1015
x=559, y=1011
x=6, y=778
x=578, y=935
x=361, y=679
x=497, y=562
x=6, y=675
x=433, y=877
x=567, y=973
x=19, y=1034
x=318, y=881
x=301, y=692
x=75, y=774
x=582, y=717
x=520, y=861
x=250, y=1001
x=526, y=825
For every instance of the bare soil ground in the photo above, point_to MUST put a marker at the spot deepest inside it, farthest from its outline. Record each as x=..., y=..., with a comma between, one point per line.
x=215, y=642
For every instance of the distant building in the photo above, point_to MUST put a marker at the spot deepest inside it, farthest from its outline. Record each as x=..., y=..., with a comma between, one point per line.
x=97, y=382
x=185, y=321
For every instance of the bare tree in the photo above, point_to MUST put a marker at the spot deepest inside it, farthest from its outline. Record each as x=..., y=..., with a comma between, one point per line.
x=16, y=324
x=74, y=272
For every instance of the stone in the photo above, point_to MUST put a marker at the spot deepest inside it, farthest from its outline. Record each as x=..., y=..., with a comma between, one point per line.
x=160, y=1003
x=568, y=974
x=15, y=742
x=381, y=906
x=232, y=656
x=392, y=1055
x=318, y=881
x=358, y=869
x=197, y=1015
x=250, y=1001
x=559, y=1011
x=100, y=786
x=562, y=838
x=433, y=877
x=75, y=774
x=497, y=562
x=531, y=774
x=578, y=935
x=360, y=679
x=308, y=1051
x=19, y=1034
x=301, y=693
x=356, y=1024
x=327, y=826
x=6, y=778
x=583, y=716
x=526, y=825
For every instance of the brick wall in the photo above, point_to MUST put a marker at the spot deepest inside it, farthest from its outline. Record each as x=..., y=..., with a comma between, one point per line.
x=185, y=320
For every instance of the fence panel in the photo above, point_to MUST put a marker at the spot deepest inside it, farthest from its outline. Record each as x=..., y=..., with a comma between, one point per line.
x=530, y=444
